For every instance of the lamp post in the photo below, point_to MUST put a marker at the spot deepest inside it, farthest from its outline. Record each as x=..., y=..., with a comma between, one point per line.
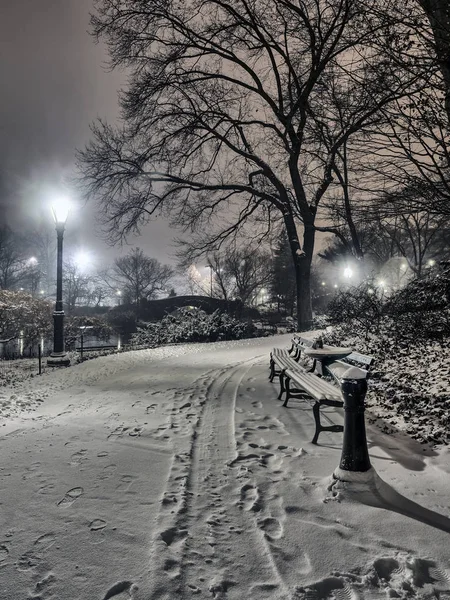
x=59, y=358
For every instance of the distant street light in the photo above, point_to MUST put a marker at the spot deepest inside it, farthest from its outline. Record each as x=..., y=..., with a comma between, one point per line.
x=82, y=260
x=59, y=358
x=348, y=272
x=32, y=261
x=119, y=296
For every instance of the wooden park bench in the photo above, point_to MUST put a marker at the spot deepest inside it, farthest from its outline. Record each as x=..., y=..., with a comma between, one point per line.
x=281, y=358
x=296, y=381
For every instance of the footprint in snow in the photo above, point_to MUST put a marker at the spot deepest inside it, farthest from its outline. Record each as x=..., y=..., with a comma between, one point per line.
x=4, y=552
x=123, y=590
x=250, y=498
x=126, y=481
x=71, y=496
x=44, y=542
x=97, y=527
x=272, y=528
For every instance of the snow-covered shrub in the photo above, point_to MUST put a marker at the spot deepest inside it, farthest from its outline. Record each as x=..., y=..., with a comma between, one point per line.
x=20, y=312
x=422, y=308
x=429, y=293
x=192, y=325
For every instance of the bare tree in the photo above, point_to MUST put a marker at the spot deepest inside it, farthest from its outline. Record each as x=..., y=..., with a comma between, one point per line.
x=76, y=286
x=415, y=235
x=222, y=112
x=140, y=277
x=11, y=258
x=438, y=13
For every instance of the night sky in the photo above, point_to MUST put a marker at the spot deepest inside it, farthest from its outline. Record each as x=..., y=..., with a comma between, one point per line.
x=54, y=84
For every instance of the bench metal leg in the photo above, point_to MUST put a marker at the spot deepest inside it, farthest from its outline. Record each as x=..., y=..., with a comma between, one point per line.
x=282, y=386
x=272, y=370
x=287, y=389
x=319, y=426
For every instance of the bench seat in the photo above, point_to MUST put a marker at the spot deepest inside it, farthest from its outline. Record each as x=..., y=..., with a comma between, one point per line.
x=314, y=386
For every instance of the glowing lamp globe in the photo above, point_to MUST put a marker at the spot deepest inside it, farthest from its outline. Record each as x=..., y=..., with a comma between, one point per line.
x=60, y=212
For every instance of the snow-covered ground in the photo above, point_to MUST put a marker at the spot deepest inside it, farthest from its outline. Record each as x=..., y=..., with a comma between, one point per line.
x=174, y=473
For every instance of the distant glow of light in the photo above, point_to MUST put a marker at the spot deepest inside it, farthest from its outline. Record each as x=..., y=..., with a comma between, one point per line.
x=119, y=293
x=32, y=260
x=82, y=259
x=42, y=292
x=382, y=283
x=348, y=272
x=431, y=262
x=370, y=291
x=335, y=285
x=60, y=210
x=404, y=266
x=323, y=283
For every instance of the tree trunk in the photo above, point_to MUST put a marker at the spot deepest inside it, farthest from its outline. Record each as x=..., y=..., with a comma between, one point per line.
x=302, y=263
x=438, y=13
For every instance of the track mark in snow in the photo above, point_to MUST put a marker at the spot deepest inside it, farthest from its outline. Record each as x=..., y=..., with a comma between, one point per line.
x=71, y=496
x=4, y=552
x=173, y=535
x=126, y=481
x=97, y=525
x=399, y=576
x=44, y=542
x=250, y=498
x=124, y=588
x=272, y=528
x=78, y=457
x=203, y=510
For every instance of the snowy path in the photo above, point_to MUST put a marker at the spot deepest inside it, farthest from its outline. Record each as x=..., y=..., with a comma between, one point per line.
x=175, y=474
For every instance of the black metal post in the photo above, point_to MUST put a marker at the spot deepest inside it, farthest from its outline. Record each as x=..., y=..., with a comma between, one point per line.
x=40, y=359
x=58, y=357
x=355, y=455
x=81, y=347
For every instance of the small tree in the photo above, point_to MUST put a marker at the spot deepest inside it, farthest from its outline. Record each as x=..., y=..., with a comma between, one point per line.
x=11, y=258
x=76, y=286
x=140, y=277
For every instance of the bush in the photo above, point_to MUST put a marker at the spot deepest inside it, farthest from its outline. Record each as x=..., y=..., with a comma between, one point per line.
x=20, y=312
x=193, y=325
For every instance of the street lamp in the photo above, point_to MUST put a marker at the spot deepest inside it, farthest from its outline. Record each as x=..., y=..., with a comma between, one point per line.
x=59, y=358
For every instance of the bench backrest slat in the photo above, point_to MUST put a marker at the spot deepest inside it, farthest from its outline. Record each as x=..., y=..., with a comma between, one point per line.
x=300, y=341
x=362, y=359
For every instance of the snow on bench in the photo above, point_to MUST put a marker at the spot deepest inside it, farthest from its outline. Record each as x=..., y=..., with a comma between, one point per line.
x=298, y=382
